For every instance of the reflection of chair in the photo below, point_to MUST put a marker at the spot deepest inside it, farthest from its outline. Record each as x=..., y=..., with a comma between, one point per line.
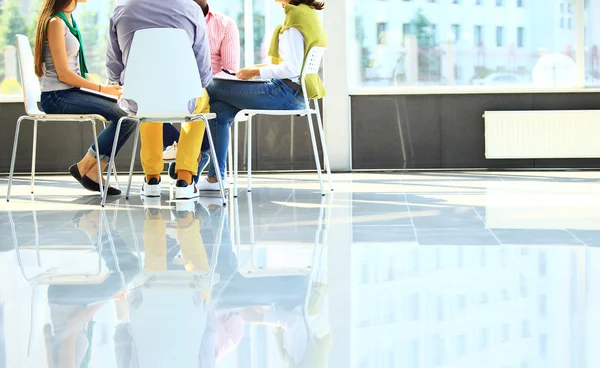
x=31, y=95
x=251, y=269
x=162, y=96
x=306, y=302
x=311, y=68
x=52, y=277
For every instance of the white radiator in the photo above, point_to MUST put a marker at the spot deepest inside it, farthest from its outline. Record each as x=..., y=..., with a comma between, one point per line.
x=542, y=134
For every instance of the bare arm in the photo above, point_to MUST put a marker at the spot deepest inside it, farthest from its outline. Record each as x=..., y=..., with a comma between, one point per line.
x=58, y=50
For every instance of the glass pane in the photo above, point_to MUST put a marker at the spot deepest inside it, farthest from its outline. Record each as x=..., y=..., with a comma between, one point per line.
x=15, y=18
x=266, y=15
x=93, y=19
x=18, y=17
x=447, y=43
x=592, y=43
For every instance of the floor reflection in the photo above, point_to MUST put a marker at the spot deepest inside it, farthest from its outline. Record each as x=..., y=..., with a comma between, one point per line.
x=407, y=271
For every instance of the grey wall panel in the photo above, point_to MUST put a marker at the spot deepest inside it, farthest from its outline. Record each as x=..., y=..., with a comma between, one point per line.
x=57, y=142
x=462, y=127
x=390, y=132
x=275, y=145
x=570, y=101
x=451, y=129
x=283, y=143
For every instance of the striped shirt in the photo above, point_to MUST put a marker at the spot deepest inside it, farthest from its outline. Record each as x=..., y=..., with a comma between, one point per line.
x=224, y=40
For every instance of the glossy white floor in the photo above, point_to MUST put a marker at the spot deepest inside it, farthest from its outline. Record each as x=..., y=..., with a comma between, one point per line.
x=470, y=269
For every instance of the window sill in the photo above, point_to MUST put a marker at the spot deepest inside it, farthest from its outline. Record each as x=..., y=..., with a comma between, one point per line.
x=466, y=90
x=11, y=98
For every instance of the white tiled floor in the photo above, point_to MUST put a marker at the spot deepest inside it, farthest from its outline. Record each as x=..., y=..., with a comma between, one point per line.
x=431, y=269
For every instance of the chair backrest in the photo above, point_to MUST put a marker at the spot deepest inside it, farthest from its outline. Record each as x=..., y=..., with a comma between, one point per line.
x=30, y=81
x=162, y=73
x=312, y=64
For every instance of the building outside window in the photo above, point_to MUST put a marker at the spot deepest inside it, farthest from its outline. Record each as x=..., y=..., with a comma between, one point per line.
x=499, y=36
x=464, y=54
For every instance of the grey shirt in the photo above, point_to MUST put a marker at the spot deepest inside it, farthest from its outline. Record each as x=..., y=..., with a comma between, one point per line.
x=50, y=81
x=135, y=15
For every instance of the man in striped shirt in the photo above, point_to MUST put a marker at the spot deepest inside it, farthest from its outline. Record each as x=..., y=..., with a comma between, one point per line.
x=224, y=40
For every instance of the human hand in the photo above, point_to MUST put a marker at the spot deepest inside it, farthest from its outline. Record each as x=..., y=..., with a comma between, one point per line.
x=112, y=90
x=248, y=73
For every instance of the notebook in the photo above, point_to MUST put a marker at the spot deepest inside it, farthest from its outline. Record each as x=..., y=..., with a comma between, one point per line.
x=223, y=75
x=101, y=94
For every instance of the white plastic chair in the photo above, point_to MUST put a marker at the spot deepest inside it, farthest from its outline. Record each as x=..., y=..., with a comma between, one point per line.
x=162, y=77
x=31, y=97
x=311, y=67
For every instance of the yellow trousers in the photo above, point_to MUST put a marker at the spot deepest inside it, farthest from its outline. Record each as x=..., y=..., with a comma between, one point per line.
x=188, y=148
x=188, y=237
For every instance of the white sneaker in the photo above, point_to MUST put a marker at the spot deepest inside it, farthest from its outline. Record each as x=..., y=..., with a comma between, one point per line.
x=205, y=185
x=151, y=189
x=184, y=190
x=170, y=153
x=185, y=206
x=151, y=202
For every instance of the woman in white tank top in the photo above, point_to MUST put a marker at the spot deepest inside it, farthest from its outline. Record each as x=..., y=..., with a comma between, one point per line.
x=60, y=64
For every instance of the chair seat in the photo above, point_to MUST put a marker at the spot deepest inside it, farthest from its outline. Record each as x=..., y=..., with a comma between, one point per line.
x=58, y=117
x=302, y=112
x=173, y=119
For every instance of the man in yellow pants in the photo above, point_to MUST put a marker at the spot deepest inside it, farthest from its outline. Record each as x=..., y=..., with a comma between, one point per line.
x=151, y=154
x=135, y=15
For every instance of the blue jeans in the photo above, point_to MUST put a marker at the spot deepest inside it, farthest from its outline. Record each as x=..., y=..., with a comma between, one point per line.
x=228, y=97
x=73, y=101
x=171, y=134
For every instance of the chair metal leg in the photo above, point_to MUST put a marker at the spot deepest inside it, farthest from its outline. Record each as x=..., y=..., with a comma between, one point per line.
x=236, y=147
x=315, y=150
x=230, y=160
x=34, y=154
x=251, y=222
x=112, y=160
x=115, y=166
x=14, y=156
x=97, y=156
x=133, y=153
x=249, y=130
x=236, y=225
x=215, y=162
x=323, y=145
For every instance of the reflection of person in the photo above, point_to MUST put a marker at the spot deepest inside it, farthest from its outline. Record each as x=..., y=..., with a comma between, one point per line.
x=73, y=307
x=299, y=344
x=188, y=238
x=61, y=65
x=137, y=15
x=291, y=42
x=224, y=39
x=149, y=331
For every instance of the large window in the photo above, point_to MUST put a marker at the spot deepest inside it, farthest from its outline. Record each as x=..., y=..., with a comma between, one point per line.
x=592, y=43
x=19, y=17
x=529, y=43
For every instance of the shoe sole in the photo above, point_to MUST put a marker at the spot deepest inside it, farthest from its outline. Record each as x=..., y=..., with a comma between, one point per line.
x=154, y=193
x=185, y=196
